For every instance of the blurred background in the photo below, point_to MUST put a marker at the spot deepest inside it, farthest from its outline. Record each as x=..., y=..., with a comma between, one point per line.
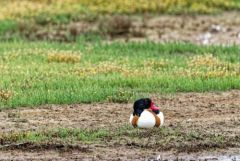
x=196, y=21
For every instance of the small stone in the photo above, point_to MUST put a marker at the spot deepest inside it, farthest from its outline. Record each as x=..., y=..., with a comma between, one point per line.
x=216, y=28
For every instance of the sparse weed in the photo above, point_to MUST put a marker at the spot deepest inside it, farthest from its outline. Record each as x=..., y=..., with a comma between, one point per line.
x=165, y=138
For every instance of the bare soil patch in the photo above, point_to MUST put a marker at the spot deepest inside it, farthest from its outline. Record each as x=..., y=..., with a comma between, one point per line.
x=197, y=110
x=121, y=154
x=201, y=29
x=209, y=113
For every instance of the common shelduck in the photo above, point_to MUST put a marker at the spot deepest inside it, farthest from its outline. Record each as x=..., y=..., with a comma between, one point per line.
x=146, y=114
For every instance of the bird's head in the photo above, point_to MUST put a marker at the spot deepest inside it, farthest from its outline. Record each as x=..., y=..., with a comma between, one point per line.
x=140, y=105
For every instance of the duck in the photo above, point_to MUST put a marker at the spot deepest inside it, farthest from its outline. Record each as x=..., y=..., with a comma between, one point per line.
x=146, y=114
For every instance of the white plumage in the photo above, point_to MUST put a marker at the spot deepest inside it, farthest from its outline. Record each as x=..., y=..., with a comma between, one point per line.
x=147, y=119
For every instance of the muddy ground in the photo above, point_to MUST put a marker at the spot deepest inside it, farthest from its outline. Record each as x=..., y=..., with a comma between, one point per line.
x=209, y=113
x=201, y=29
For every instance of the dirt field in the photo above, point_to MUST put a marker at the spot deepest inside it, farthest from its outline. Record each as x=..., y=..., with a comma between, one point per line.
x=200, y=29
x=209, y=113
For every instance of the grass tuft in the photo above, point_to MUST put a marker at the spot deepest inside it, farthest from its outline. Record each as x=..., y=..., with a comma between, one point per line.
x=62, y=57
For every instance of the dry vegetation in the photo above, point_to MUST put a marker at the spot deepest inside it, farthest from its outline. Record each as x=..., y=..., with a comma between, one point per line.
x=32, y=8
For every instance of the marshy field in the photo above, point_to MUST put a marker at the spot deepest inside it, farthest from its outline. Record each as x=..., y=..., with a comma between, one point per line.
x=71, y=70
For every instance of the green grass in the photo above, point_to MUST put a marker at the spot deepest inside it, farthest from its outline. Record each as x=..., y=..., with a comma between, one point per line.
x=117, y=72
x=7, y=25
